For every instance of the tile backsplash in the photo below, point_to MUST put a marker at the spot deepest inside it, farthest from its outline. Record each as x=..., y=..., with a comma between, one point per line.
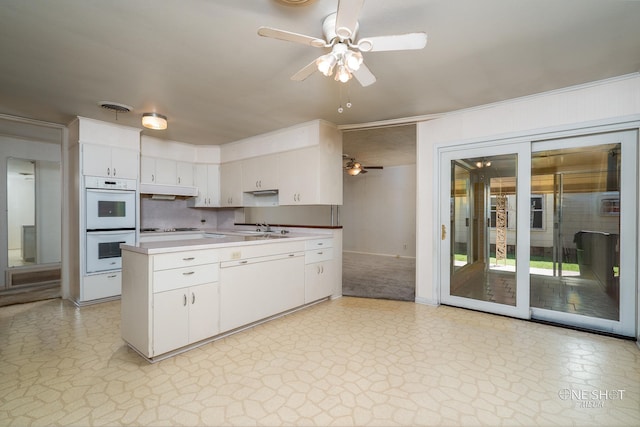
x=175, y=213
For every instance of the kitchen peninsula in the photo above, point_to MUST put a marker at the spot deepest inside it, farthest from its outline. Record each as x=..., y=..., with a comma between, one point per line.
x=200, y=286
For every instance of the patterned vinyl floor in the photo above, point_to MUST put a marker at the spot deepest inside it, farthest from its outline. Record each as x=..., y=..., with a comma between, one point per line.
x=346, y=362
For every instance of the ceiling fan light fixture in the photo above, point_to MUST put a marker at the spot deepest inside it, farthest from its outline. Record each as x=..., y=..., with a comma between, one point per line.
x=326, y=63
x=352, y=60
x=154, y=121
x=343, y=75
x=353, y=171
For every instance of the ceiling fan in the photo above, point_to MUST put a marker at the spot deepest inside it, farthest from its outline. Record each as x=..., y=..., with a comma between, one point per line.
x=340, y=30
x=354, y=168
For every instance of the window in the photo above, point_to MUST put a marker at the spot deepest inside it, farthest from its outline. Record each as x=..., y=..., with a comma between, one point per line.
x=537, y=211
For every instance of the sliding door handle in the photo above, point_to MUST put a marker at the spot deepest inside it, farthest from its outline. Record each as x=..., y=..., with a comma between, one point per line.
x=443, y=232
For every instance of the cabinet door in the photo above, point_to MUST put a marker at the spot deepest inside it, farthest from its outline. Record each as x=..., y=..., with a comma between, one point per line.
x=170, y=320
x=201, y=181
x=204, y=311
x=260, y=173
x=298, y=175
x=165, y=171
x=257, y=290
x=318, y=281
x=213, y=185
x=184, y=172
x=96, y=160
x=124, y=163
x=231, y=184
x=147, y=170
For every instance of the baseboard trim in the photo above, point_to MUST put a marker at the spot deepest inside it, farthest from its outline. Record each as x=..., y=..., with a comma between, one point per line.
x=427, y=301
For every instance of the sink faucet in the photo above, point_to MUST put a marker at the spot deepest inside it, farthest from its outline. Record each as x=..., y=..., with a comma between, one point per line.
x=267, y=227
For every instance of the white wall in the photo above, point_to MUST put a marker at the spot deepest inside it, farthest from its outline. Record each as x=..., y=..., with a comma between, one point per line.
x=379, y=212
x=606, y=102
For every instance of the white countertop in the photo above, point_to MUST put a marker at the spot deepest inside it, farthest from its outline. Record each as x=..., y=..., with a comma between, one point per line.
x=181, y=241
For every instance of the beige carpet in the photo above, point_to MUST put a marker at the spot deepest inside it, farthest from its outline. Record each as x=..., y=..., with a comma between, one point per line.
x=377, y=276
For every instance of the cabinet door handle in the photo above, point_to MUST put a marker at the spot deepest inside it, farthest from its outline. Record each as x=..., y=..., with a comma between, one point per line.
x=188, y=273
x=109, y=171
x=188, y=259
x=322, y=269
x=178, y=180
x=185, y=300
x=193, y=298
x=114, y=171
x=153, y=177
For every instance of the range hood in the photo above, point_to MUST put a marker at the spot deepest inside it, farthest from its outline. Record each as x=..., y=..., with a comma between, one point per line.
x=168, y=190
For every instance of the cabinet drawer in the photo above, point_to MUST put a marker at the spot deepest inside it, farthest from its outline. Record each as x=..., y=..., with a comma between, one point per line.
x=166, y=280
x=318, y=244
x=318, y=255
x=184, y=259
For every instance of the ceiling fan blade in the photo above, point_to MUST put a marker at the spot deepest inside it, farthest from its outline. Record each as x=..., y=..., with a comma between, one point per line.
x=409, y=41
x=274, y=33
x=364, y=76
x=373, y=167
x=347, y=17
x=305, y=72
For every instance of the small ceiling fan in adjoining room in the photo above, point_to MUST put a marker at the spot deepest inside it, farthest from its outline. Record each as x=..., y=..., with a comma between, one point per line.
x=345, y=57
x=354, y=168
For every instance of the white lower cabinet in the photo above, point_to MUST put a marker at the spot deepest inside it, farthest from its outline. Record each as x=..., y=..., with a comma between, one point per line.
x=318, y=275
x=171, y=301
x=184, y=316
x=256, y=288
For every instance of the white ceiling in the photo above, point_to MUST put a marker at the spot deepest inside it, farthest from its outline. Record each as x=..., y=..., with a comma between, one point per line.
x=201, y=62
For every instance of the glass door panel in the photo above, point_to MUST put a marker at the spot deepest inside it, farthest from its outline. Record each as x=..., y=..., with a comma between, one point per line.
x=580, y=190
x=479, y=231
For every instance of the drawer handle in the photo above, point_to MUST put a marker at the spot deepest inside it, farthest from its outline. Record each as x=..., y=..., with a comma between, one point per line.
x=112, y=276
x=320, y=253
x=320, y=244
x=292, y=254
x=188, y=273
x=188, y=259
x=243, y=262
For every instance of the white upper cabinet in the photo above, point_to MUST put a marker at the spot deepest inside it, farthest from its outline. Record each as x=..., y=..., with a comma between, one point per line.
x=185, y=173
x=108, y=150
x=231, y=184
x=312, y=175
x=207, y=180
x=107, y=161
x=165, y=172
x=260, y=173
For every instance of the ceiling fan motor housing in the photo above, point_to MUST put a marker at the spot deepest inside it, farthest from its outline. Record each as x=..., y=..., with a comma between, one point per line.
x=329, y=30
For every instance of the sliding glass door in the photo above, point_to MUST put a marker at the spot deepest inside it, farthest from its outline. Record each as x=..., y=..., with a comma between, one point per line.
x=582, y=264
x=481, y=230
x=543, y=229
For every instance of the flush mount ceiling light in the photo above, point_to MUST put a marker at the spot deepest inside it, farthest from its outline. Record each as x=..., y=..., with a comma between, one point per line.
x=154, y=121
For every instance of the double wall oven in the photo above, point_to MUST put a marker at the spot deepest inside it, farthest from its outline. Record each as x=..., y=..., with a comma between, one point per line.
x=110, y=218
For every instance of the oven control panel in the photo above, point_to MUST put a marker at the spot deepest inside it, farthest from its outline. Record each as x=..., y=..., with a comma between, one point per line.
x=109, y=183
